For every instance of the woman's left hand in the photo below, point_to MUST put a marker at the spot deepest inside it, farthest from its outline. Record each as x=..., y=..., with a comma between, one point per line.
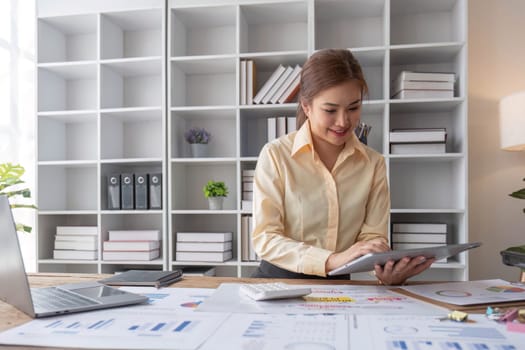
x=397, y=273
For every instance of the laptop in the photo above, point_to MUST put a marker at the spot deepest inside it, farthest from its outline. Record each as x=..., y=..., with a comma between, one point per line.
x=49, y=301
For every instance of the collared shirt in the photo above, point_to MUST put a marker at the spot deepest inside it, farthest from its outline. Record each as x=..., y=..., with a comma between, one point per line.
x=303, y=212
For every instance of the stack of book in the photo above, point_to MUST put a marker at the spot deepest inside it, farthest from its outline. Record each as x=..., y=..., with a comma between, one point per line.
x=247, y=251
x=279, y=126
x=247, y=190
x=418, y=235
x=409, y=85
x=204, y=246
x=76, y=243
x=418, y=141
x=132, y=245
x=281, y=87
x=247, y=86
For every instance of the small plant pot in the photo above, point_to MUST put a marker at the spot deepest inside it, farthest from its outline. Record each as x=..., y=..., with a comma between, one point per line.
x=215, y=203
x=199, y=150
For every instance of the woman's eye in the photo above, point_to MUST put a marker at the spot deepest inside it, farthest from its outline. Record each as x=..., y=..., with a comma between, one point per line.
x=354, y=108
x=329, y=110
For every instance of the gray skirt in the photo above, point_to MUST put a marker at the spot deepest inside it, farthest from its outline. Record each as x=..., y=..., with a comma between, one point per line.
x=269, y=270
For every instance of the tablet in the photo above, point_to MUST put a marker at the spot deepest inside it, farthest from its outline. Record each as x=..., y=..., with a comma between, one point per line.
x=368, y=261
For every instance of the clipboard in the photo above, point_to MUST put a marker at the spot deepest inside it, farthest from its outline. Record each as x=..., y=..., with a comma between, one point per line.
x=368, y=261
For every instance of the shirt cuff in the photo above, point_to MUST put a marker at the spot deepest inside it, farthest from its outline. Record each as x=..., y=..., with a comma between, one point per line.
x=314, y=261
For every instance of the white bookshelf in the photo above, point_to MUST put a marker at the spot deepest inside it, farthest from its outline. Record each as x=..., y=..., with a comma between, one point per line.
x=103, y=74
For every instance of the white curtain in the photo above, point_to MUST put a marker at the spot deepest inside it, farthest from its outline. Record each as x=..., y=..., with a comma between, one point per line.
x=17, y=102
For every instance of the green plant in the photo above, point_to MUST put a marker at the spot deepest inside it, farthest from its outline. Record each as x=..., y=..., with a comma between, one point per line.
x=215, y=189
x=10, y=181
x=520, y=194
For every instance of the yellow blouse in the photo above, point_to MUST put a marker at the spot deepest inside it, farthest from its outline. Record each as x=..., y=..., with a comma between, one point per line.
x=303, y=212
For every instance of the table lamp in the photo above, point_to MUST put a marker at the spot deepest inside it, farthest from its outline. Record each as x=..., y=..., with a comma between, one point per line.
x=512, y=138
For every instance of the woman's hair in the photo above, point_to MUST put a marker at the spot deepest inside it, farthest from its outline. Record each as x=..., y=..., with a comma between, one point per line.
x=325, y=69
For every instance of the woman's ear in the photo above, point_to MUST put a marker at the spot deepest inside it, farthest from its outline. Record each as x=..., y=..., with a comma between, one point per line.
x=306, y=108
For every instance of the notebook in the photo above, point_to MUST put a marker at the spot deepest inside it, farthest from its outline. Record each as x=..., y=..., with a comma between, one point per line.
x=49, y=301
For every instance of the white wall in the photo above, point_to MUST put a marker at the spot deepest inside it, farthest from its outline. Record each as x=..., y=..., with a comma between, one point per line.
x=496, y=69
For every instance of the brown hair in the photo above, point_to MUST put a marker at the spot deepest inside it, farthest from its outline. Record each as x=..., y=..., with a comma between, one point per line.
x=325, y=69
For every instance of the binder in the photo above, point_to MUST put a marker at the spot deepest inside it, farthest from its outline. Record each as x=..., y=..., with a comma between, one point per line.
x=127, y=191
x=113, y=193
x=141, y=191
x=155, y=191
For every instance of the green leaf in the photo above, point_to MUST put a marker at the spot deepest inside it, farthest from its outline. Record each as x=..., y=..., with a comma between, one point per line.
x=23, y=228
x=520, y=194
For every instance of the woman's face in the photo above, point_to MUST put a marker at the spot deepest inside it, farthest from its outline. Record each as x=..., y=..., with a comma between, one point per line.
x=334, y=113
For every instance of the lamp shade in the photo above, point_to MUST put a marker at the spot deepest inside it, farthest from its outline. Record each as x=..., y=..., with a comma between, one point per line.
x=512, y=122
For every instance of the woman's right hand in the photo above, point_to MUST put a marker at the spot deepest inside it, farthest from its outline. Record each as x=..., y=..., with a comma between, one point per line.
x=358, y=249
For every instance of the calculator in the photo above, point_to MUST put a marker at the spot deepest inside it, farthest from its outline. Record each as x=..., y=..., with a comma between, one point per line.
x=276, y=290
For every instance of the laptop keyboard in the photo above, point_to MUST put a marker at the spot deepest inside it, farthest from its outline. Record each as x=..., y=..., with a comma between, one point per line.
x=55, y=298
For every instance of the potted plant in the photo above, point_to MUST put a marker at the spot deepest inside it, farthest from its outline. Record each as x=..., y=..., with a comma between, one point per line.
x=215, y=191
x=198, y=138
x=10, y=186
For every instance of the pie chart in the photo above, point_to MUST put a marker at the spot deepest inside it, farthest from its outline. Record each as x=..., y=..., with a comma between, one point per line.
x=505, y=289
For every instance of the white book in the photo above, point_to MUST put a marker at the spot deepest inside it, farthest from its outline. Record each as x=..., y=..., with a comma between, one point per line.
x=77, y=230
x=134, y=235
x=204, y=256
x=291, y=91
x=409, y=94
x=291, y=124
x=243, y=85
x=247, y=205
x=75, y=254
x=289, y=80
x=418, y=135
x=278, y=83
x=271, y=128
x=131, y=255
x=204, y=236
x=269, y=83
x=131, y=245
x=416, y=227
x=76, y=238
x=419, y=237
x=417, y=148
x=247, y=185
x=251, y=251
x=250, y=81
x=247, y=195
x=74, y=245
x=281, y=126
x=204, y=246
x=248, y=172
x=426, y=76
x=399, y=85
x=403, y=246
x=245, y=239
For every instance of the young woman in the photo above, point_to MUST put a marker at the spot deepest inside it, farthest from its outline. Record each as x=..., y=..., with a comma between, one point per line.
x=321, y=197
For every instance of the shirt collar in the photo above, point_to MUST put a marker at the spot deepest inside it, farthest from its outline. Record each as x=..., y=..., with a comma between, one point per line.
x=303, y=140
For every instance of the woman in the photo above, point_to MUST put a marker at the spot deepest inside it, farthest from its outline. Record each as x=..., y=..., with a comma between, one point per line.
x=321, y=197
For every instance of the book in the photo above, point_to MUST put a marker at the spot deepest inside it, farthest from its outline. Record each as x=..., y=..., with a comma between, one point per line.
x=144, y=278
x=243, y=86
x=417, y=148
x=131, y=255
x=398, y=237
x=271, y=128
x=269, y=83
x=131, y=245
x=204, y=246
x=281, y=126
x=291, y=124
x=248, y=173
x=418, y=135
x=204, y=236
x=204, y=256
x=409, y=227
x=403, y=246
x=134, y=235
x=277, y=85
x=74, y=245
x=289, y=80
x=250, y=81
x=399, y=85
x=247, y=205
x=76, y=238
x=77, y=230
x=426, y=76
x=408, y=94
x=292, y=90
x=75, y=254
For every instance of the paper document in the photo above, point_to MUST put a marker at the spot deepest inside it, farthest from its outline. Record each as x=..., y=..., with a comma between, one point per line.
x=470, y=293
x=179, y=300
x=329, y=298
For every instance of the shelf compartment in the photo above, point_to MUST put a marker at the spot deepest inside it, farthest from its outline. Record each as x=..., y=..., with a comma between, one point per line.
x=47, y=225
x=132, y=134
x=349, y=24
x=130, y=221
x=188, y=179
x=441, y=180
x=219, y=122
x=374, y=115
x=133, y=83
x=131, y=34
x=67, y=137
x=273, y=27
x=67, y=87
x=203, y=31
x=414, y=21
x=67, y=187
x=67, y=38
x=203, y=82
x=373, y=64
